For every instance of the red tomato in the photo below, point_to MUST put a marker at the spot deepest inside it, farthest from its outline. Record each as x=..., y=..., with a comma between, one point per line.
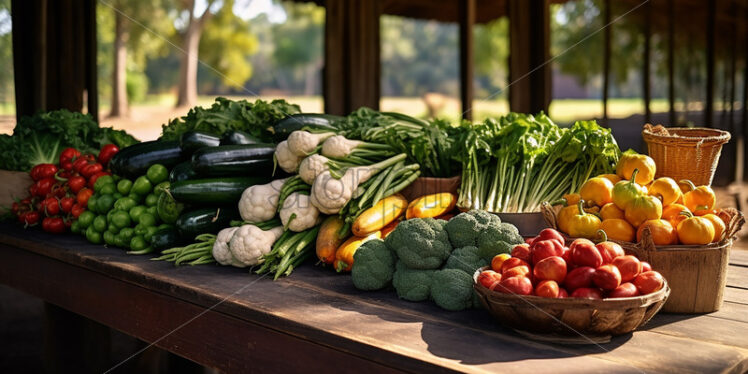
x=54, y=225
x=646, y=266
x=76, y=183
x=90, y=169
x=513, y=262
x=44, y=186
x=649, y=282
x=546, y=248
x=607, y=277
x=562, y=293
x=106, y=153
x=66, y=204
x=529, y=241
x=624, y=290
x=42, y=171
x=67, y=156
x=83, y=195
x=629, y=266
x=77, y=210
x=498, y=260
x=609, y=251
x=587, y=293
x=550, y=268
x=551, y=234
x=489, y=279
x=92, y=179
x=547, y=288
x=584, y=253
x=567, y=257
x=578, y=278
x=522, y=252
x=30, y=218
x=517, y=271
x=51, y=206
x=515, y=285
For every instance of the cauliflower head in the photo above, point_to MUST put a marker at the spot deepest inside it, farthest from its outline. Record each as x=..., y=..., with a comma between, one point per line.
x=288, y=161
x=329, y=194
x=466, y=259
x=260, y=202
x=412, y=284
x=250, y=243
x=373, y=266
x=338, y=146
x=311, y=167
x=420, y=243
x=221, y=251
x=298, y=213
x=452, y=289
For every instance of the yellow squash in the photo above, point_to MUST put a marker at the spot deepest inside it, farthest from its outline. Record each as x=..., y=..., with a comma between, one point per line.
x=618, y=229
x=643, y=208
x=666, y=189
x=698, y=198
x=329, y=238
x=572, y=199
x=431, y=206
x=718, y=224
x=695, y=230
x=597, y=191
x=631, y=161
x=627, y=190
x=344, y=254
x=380, y=215
x=611, y=177
x=583, y=224
x=669, y=212
x=609, y=211
x=663, y=233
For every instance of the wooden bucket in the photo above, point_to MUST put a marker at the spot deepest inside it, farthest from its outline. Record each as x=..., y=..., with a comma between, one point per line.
x=685, y=153
x=14, y=186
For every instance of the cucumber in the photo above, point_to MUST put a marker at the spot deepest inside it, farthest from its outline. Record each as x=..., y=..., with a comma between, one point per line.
x=304, y=121
x=134, y=161
x=205, y=221
x=213, y=191
x=182, y=172
x=234, y=137
x=226, y=160
x=167, y=238
x=191, y=141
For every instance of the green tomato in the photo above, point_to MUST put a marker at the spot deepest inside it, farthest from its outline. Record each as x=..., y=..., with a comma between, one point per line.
x=149, y=231
x=108, y=189
x=93, y=236
x=161, y=187
x=105, y=203
x=99, y=223
x=147, y=219
x=125, y=203
x=141, y=186
x=86, y=218
x=108, y=237
x=136, y=212
x=91, y=204
x=140, y=229
x=112, y=228
x=103, y=181
x=165, y=226
x=119, y=242
x=124, y=186
x=157, y=173
x=137, y=243
x=75, y=227
x=136, y=197
x=153, y=210
x=117, y=195
x=121, y=219
x=151, y=200
x=127, y=233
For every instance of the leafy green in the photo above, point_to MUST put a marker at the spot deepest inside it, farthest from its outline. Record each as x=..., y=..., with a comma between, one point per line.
x=224, y=115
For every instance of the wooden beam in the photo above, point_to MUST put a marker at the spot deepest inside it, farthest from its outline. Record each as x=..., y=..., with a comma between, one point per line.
x=529, y=70
x=606, y=58
x=92, y=81
x=671, y=61
x=710, y=59
x=467, y=67
x=646, y=89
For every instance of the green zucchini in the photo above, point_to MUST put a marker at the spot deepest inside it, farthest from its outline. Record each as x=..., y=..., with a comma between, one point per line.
x=167, y=238
x=134, y=161
x=182, y=172
x=232, y=160
x=191, y=141
x=205, y=221
x=304, y=121
x=235, y=137
x=213, y=191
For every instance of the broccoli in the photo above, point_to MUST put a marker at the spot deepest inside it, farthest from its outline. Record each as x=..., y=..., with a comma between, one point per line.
x=465, y=259
x=373, y=266
x=452, y=289
x=412, y=284
x=420, y=243
x=498, y=239
x=463, y=229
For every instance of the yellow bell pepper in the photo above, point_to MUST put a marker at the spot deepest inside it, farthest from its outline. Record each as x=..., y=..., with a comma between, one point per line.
x=631, y=161
x=627, y=190
x=597, y=191
x=583, y=224
x=666, y=189
x=609, y=211
x=698, y=198
x=618, y=229
x=695, y=230
x=643, y=208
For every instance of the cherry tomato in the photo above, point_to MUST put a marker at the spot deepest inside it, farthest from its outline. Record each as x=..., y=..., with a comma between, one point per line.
x=83, y=196
x=51, y=206
x=91, y=169
x=30, y=218
x=107, y=152
x=58, y=190
x=79, y=163
x=42, y=171
x=66, y=204
x=67, y=156
x=77, y=209
x=76, y=183
x=44, y=186
x=15, y=207
x=54, y=225
x=92, y=179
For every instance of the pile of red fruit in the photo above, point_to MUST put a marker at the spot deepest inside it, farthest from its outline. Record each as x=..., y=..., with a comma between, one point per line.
x=60, y=192
x=545, y=267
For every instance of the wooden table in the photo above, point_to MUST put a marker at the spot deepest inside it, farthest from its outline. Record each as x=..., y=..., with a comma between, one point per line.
x=316, y=320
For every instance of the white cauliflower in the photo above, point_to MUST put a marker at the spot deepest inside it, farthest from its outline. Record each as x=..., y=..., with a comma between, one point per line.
x=250, y=243
x=312, y=166
x=260, y=202
x=221, y=251
x=302, y=143
x=298, y=209
x=286, y=160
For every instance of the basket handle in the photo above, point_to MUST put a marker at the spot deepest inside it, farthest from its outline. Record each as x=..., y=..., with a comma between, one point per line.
x=645, y=245
x=737, y=219
x=549, y=215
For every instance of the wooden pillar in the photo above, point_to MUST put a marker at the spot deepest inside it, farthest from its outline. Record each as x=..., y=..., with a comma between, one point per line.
x=671, y=61
x=646, y=89
x=467, y=21
x=352, y=67
x=606, y=58
x=710, y=58
x=529, y=44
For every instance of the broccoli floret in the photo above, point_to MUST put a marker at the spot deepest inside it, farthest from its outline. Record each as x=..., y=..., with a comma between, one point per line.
x=420, y=243
x=412, y=284
x=463, y=230
x=452, y=289
x=512, y=233
x=465, y=259
x=373, y=266
x=484, y=218
x=498, y=239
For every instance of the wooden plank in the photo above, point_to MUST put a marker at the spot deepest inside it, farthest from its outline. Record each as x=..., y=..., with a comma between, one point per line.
x=736, y=295
x=606, y=57
x=710, y=60
x=671, y=62
x=737, y=276
x=467, y=67
x=333, y=71
x=90, y=35
x=739, y=257
x=732, y=311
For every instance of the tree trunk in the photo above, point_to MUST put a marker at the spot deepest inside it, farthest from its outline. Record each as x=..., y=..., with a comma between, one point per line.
x=119, y=75
x=187, y=94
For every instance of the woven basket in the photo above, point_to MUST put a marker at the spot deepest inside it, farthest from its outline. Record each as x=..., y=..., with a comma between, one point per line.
x=685, y=153
x=570, y=320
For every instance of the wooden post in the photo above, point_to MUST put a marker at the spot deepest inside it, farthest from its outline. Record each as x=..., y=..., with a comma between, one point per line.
x=710, y=57
x=352, y=67
x=529, y=69
x=606, y=59
x=671, y=61
x=646, y=89
x=92, y=81
x=467, y=20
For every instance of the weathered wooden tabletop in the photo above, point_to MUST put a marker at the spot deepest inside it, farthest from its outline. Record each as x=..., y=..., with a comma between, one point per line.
x=316, y=320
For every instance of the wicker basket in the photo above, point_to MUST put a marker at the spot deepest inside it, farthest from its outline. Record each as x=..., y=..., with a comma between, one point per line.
x=429, y=185
x=570, y=320
x=685, y=153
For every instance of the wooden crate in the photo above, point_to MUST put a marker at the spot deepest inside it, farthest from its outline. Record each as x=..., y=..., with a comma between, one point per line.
x=14, y=186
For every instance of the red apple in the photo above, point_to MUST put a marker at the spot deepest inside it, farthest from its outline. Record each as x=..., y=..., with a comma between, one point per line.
x=629, y=266
x=624, y=290
x=517, y=271
x=489, y=279
x=579, y=277
x=646, y=266
x=649, y=282
x=607, y=277
x=550, y=268
x=522, y=252
x=547, y=288
x=513, y=262
x=515, y=285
